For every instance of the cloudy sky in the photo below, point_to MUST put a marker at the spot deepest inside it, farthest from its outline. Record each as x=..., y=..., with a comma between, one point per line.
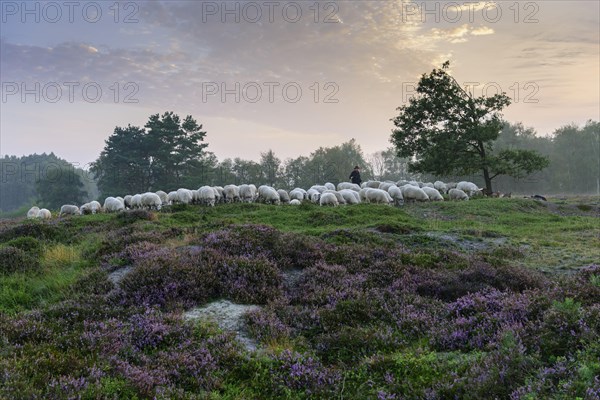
x=287, y=76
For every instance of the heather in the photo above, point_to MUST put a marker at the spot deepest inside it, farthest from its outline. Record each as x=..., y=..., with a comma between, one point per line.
x=379, y=311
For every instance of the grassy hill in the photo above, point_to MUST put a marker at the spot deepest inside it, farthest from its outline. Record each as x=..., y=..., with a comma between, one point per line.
x=479, y=299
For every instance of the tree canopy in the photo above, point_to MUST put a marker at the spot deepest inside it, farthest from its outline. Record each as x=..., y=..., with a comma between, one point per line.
x=444, y=130
x=167, y=153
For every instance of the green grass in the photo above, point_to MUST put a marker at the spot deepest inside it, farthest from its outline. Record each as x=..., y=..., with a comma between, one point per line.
x=549, y=242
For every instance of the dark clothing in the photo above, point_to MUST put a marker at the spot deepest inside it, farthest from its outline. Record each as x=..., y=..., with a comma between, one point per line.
x=355, y=177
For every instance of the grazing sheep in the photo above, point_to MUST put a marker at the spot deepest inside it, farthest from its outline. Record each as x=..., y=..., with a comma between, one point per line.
x=432, y=193
x=428, y=184
x=413, y=193
x=231, y=193
x=362, y=194
x=85, y=209
x=268, y=195
x=386, y=185
x=468, y=187
x=328, y=199
x=457, y=194
x=195, y=196
x=112, y=204
x=329, y=186
x=219, y=196
x=172, y=198
x=127, y=201
x=313, y=195
x=208, y=196
x=378, y=196
x=337, y=195
x=396, y=195
x=33, y=212
x=440, y=186
x=44, y=214
x=415, y=184
x=163, y=196
x=296, y=194
x=295, y=202
x=69, y=209
x=284, y=197
x=348, y=185
x=350, y=196
x=247, y=193
x=373, y=184
x=401, y=183
x=319, y=188
x=184, y=196
x=151, y=201
x=136, y=201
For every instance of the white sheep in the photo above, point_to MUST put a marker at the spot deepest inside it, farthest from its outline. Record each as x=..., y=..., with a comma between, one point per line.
x=184, y=196
x=69, y=209
x=396, y=195
x=284, y=197
x=44, y=213
x=350, y=196
x=457, y=194
x=112, y=204
x=136, y=201
x=378, y=196
x=319, y=188
x=295, y=202
x=337, y=195
x=329, y=186
x=269, y=195
x=219, y=197
x=163, y=196
x=127, y=201
x=413, y=193
x=296, y=194
x=231, y=193
x=328, y=199
x=428, y=184
x=195, y=196
x=415, y=184
x=348, y=185
x=440, y=186
x=33, y=212
x=172, y=198
x=151, y=201
x=363, y=195
x=313, y=195
x=433, y=194
x=247, y=193
x=386, y=185
x=208, y=195
x=373, y=184
x=85, y=209
x=468, y=187
x=401, y=183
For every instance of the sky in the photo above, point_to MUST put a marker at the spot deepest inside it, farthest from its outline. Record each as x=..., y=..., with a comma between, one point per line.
x=281, y=75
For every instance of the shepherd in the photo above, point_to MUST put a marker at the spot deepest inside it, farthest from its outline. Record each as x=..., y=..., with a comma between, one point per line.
x=355, y=176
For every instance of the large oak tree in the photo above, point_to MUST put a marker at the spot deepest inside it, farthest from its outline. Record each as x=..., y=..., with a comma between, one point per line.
x=444, y=130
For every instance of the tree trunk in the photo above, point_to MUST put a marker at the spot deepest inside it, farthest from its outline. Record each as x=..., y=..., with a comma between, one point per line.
x=488, y=181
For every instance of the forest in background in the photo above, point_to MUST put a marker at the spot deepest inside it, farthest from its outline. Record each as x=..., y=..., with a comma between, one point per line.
x=48, y=180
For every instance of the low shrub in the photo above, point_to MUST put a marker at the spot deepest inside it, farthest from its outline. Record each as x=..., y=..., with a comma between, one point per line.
x=14, y=260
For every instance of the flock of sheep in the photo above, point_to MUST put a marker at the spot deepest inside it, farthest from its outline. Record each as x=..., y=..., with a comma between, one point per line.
x=387, y=192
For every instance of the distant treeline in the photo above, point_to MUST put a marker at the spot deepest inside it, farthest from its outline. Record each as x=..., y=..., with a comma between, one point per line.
x=47, y=180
